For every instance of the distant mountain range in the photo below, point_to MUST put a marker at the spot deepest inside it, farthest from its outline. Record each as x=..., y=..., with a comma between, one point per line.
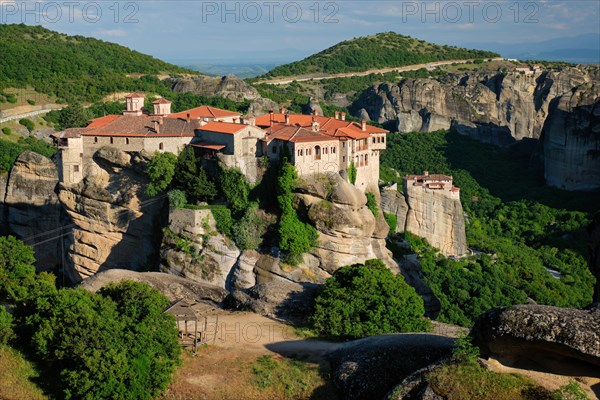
x=581, y=49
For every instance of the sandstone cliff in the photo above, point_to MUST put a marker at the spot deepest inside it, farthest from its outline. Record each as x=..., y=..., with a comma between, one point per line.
x=560, y=107
x=192, y=248
x=113, y=225
x=571, y=140
x=429, y=214
x=31, y=209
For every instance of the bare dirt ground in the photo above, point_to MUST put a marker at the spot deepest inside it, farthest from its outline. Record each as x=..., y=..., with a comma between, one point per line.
x=222, y=369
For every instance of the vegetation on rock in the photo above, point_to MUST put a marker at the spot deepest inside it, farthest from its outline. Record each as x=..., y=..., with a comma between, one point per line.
x=10, y=151
x=364, y=300
x=161, y=170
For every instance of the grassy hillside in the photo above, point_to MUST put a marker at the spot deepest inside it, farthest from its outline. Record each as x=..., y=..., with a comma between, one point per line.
x=378, y=51
x=72, y=66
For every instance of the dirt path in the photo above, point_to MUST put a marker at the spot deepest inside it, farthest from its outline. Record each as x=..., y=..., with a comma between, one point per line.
x=318, y=77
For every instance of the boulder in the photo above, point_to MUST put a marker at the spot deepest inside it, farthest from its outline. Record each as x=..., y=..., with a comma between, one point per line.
x=416, y=386
x=173, y=287
x=540, y=335
x=369, y=368
x=229, y=87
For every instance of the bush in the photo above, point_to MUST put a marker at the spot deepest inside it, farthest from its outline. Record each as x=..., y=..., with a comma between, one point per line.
x=31, y=102
x=392, y=222
x=7, y=131
x=161, y=170
x=27, y=123
x=248, y=231
x=570, y=391
x=364, y=300
x=295, y=236
x=235, y=188
x=352, y=171
x=372, y=203
x=177, y=198
x=465, y=351
x=16, y=269
x=6, y=326
x=117, y=343
x=223, y=219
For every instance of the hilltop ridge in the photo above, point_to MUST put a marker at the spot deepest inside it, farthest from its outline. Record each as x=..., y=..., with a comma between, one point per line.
x=382, y=50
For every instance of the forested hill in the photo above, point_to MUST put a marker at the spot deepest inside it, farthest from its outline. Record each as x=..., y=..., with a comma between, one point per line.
x=373, y=52
x=70, y=66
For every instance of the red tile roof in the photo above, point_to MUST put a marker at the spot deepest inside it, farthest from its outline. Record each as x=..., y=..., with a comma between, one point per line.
x=297, y=134
x=223, y=127
x=204, y=112
x=102, y=121
x=209, y=146
x=144, y=125
x=329, y=126
x=134, y=94
x=161, y=101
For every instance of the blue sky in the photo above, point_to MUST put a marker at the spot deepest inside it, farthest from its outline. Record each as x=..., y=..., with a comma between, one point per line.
x=277, y=31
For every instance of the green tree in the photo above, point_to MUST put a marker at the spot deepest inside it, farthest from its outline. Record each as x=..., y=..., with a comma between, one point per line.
x=191, y=178
x=6, y=326
x=27, y=123
x=364, y=300
x=17, y=272
x=248, y=231
x=177, y=198
x=295, y=236
x=161, y=170
x=73, y=116
x=235, y=188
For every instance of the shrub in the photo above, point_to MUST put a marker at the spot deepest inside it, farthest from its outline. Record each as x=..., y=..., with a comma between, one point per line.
x=363, y=300
x=6, y=326
x=177, y=198
x=7, y=131
x=27, y=123
x=31, y=102
x=223, y=219
x=570, y=391
x=248, y=231
x=235, y=188
x=191, y=177
x=465, y=351
x=352, y=171
x=161, y=170
x=392, y=222
x=16, y=269
x=372, y=203
x=117, y=343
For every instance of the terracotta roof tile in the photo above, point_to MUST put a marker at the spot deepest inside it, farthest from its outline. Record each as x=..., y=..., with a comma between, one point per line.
x=134, y=94
x=204, y=112
x=161, y=101
x=223, y=127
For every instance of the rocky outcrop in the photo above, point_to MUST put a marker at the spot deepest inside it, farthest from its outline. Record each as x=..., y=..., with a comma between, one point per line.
x=173, y=287
x=113, y=224
x=548, y=337
x=496, y=108
x=593, y=231
x=261, y=106
x=32, y=207
x=571, y=140
x=369, y=368
x=194, y=249
x=229, y=87
x=279, y=299
x=349, y=233
x=434, y=215
x=416, y=386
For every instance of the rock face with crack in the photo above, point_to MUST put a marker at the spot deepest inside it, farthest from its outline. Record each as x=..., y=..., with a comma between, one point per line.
x=31, y=207
x=541, y=334
x=113, y=224
x=229, y=87
x=369, y=368
x=194, y=249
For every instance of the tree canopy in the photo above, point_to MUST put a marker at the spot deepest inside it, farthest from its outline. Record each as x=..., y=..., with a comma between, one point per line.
x=363, y=300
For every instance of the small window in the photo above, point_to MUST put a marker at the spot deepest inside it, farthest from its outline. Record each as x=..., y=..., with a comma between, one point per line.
x=333, y=150
x=344, y=144
x=126, y=140
x=95, y=140
x=374, y=141
x=161, y=146
x=325, y=150
x=111, y=140
x=75, y=168
x=343, y=158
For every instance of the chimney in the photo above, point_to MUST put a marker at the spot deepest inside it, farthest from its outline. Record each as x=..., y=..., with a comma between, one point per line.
x=287, y=119
x=156, y=126
x=271, y=117
x=343, y=116
x=187, y=117
x=234, y=120
x=337, y=115
x=314, y=112
x=363, y=125
x=426, y=173
x=281, y=110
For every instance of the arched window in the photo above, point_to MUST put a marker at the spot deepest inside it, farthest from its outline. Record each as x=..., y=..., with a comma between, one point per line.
x=324, y=150
x=333, y=150
x=111, y=140
x=300, y=152
x=161, y=146
x=317, y=152
x=126, y=140
x=374, y=141
x=366, y=159
x=95, y=140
